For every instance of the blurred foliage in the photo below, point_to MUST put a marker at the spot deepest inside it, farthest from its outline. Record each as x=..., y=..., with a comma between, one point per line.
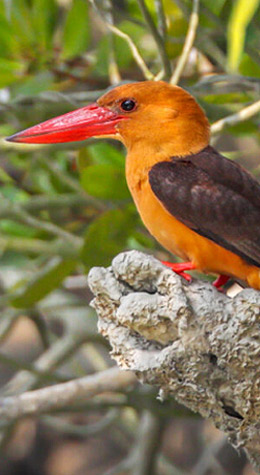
x=66, y=208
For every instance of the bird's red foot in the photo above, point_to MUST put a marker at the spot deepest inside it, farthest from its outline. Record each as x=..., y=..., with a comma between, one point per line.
x=221, y=280
x=180, y=268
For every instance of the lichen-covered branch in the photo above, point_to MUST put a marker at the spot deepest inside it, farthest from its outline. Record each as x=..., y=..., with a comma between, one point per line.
x=190, y=340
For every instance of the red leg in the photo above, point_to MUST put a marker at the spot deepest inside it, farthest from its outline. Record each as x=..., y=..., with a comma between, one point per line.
x=221, y=280
x=180, y=267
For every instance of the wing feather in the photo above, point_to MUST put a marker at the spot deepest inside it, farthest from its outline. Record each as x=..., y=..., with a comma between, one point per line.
x=221, y=204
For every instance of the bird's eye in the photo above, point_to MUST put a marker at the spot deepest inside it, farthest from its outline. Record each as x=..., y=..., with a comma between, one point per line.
x=128, y=105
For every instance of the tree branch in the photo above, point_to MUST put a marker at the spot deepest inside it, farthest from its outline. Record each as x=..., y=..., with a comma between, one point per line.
x=189, y=339
x=162, y=24
x=113, y=70
x=43, y=400
x=16, y=211
x=189, y=40
x=243, y=114
x=159, y=40
x=134, y=50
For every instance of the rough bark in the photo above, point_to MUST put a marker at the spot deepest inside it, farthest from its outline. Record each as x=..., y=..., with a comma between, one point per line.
x=190, y=340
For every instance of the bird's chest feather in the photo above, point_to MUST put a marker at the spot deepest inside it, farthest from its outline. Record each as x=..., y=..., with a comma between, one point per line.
x=171, y=233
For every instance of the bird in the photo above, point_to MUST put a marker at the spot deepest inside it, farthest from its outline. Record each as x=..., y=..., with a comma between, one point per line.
x=198, y=204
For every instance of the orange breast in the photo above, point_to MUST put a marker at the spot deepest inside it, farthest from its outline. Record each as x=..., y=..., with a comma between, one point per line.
x=182, y=241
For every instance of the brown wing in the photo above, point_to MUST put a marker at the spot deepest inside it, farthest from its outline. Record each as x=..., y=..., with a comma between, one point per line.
x=221, y=203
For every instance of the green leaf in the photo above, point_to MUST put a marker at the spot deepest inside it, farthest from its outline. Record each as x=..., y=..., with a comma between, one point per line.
x=44, y=16
x=241, y=15
x=229, y=98
x=34, y=84
x=104, y=153
x=245, y=128
x=248, y=67
x=107, y=236
x=13, y=193
x=215, y=5
x=76, y=31
x=7, y=40
x=12, y=228
x=140, y=241
x=22, y=25
x=4, y=177
x=105, y=181
x=44, y=282
x=10, y=71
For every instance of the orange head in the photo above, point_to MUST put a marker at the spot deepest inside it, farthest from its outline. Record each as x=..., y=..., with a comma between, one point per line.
x=146, y=115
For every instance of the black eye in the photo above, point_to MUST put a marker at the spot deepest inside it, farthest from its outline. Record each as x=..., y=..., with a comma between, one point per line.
x=128, y=105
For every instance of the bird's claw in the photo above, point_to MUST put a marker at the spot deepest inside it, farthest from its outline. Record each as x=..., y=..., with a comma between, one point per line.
x=180, y=267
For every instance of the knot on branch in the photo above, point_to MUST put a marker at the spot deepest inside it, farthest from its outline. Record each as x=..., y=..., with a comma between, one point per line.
x=189, y=339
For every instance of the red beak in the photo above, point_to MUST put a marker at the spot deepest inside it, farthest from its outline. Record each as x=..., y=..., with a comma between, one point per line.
x=77, y=125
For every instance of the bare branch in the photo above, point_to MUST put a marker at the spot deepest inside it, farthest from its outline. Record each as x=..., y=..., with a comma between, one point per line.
x=49, y=202
x=190, y=38
x=162, y=25
x=148, y=444
x=58, y=424
x=48, y=361
x=38, y=246
x=136, y=55
x=243, y=114
x=113, y=70
x=59, y=395
x=157, y=38
x=16, y=211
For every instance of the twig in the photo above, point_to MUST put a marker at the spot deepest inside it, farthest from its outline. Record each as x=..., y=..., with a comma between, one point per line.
x=54, y=97
x=58, y=424
x=63, y=178
x=204, y=41
x=142, y=458
x=42, y=328
x=37, y=246
x=57, y=396
x=57, y=354
x=16, y=364
x=190, y=38
x=223, y=83
x=16, y=211
x=8, y=320
x=208, y=461
x=71, y=183
x=211, y=49
x=243, y=114
x=148, y=444
x=162, y=25
x=222, y=29
x=64, y=200
x=166, y=467
x=124, y=466
x=157, y=38
x=136, y=55
x=113, y=70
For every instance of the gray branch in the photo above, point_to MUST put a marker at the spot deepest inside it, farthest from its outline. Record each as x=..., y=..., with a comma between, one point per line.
x=190, y=340
x=64, y=394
